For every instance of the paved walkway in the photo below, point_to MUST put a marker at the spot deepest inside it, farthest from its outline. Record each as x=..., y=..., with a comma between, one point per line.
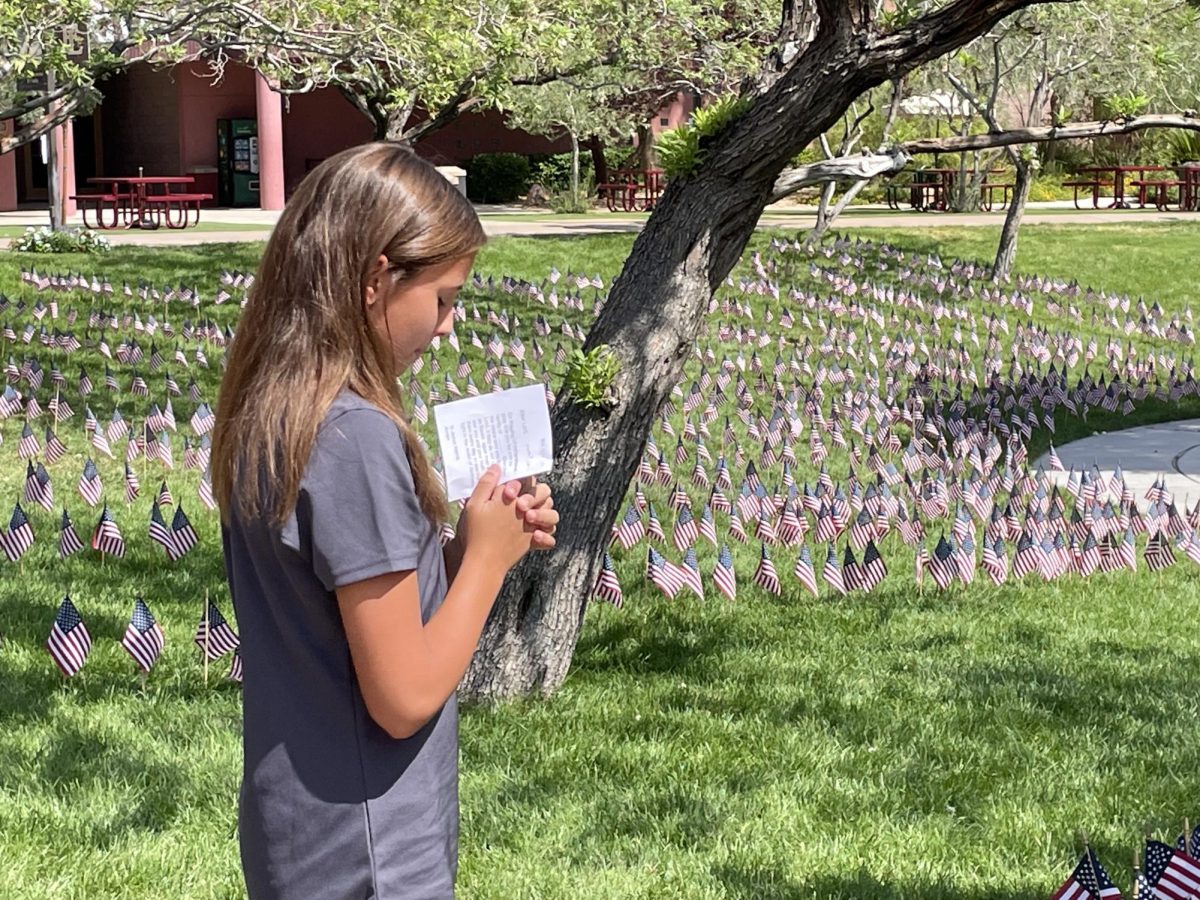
x=254, y=224
x=1171, y=449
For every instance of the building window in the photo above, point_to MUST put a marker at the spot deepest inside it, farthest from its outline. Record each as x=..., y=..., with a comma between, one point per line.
x=664, y=121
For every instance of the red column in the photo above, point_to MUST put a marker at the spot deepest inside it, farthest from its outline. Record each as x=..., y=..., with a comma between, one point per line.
x=8, y=174
x=270, y=144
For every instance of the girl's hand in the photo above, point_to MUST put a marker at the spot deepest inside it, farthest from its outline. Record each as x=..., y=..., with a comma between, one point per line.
x=493, y=527
x=537, y=505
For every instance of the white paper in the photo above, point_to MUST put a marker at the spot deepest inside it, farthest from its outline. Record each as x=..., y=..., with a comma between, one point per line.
x=510, y=427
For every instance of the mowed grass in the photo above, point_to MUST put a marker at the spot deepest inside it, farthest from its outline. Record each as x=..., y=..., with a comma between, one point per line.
x=905, y=744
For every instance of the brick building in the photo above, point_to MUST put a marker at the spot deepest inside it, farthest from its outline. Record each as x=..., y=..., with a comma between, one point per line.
x=164, y=122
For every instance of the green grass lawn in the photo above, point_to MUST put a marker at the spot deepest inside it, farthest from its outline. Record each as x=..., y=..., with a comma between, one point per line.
x=902, y=744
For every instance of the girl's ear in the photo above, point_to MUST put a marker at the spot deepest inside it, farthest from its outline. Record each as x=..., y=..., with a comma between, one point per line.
x=375, y=281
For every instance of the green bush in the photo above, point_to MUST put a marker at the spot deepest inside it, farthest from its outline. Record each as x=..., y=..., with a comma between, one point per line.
x=679, y=149
x=68, y=240
x=497, y=177
x=553, y=170
x=1049, y=187
x=1184, y=146
x=565, y=201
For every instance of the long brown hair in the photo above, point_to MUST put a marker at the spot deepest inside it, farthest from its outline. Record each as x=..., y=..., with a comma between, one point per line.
x=304, y=336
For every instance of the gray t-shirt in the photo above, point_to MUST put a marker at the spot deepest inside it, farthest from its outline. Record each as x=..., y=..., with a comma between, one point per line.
x=331, y=806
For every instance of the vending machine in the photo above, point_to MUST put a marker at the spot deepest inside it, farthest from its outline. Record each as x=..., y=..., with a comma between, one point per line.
x=237, y=162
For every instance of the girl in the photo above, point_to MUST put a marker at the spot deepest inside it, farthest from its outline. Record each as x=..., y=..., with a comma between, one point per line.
x=355, y=626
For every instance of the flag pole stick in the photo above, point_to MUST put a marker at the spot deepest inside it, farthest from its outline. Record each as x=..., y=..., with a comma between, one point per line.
x=1092, y=861
x=207, y=632
x=1187, y=837
x=1136, y=871
x=56, y=402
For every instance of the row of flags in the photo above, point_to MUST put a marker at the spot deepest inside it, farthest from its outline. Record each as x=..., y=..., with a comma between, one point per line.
x=176, y=539
x=1169, y=873
x=70, y=642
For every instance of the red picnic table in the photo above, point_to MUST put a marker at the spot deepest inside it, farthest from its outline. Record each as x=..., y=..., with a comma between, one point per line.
x=623, y=188
x=140, y=198
x=1118, y=180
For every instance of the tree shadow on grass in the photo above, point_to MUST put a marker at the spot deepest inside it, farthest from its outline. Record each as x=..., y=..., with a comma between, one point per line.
x=147, y=792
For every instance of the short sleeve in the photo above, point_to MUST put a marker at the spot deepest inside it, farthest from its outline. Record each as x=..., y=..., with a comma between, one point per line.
x=357, y=514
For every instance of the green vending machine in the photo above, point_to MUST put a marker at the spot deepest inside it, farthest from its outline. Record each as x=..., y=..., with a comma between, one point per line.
x=237, y=162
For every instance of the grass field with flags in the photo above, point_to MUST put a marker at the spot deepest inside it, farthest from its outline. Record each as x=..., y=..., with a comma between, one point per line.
x=942, y=739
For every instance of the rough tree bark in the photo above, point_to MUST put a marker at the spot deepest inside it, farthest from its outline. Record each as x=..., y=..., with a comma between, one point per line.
x=655, y=311
x=1006, y=250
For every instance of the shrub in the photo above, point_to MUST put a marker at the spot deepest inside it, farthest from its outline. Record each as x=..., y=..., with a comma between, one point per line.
x=590, y=376
x=565, y=201
x=553, y=170
x=497, y=177
x=679, y=150
x=68, y=240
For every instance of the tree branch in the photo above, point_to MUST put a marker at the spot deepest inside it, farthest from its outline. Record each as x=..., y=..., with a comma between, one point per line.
x=859, y=168
x=876, y=164
x=931, y=36
x=1067, y=132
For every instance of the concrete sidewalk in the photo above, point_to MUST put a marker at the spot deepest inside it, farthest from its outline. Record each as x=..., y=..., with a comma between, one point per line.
x=1170, y=450
x=255, y=224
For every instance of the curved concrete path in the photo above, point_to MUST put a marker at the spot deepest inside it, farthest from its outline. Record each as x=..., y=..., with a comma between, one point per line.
x=1169, y=449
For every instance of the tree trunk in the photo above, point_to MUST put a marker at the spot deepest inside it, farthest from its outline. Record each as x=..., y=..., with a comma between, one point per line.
x=599, y=163
x=574, y=163
x=651, y=319
x=1006, y=252
x=396, y=122
x=54, y=186
x=646, y=157
x=823, y=218
x=824, y=223
x=655, y=311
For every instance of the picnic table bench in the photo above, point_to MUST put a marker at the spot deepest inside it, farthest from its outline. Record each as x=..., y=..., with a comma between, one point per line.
x=132, y=201
x=633, y=190
x=930, y=189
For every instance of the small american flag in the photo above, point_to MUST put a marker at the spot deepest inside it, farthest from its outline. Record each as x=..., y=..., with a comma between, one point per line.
x=235, y=667
x=662, y=573
x=158, y=530
x=942, y=566
x=143, y=638
x=831, y=572
x=1158, y=553
x=55, y=448
x=107, y=536
x=765, y=575
x=90, y=486
x=214, y=637
x=69, y=642
x=630, y=530
x=38, y=488
x=685, y=531
x=805, y=572
x=28, y=446
x=690, y=570
x=18, y=537
x=723, y=574
x=1171, y=874
x=607, y=586
x=873, y=569
x=68, y=540
x=183, y=535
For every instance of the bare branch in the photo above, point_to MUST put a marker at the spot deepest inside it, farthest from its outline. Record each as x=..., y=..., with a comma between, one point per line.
x=1069, y=131
x=858, y=168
